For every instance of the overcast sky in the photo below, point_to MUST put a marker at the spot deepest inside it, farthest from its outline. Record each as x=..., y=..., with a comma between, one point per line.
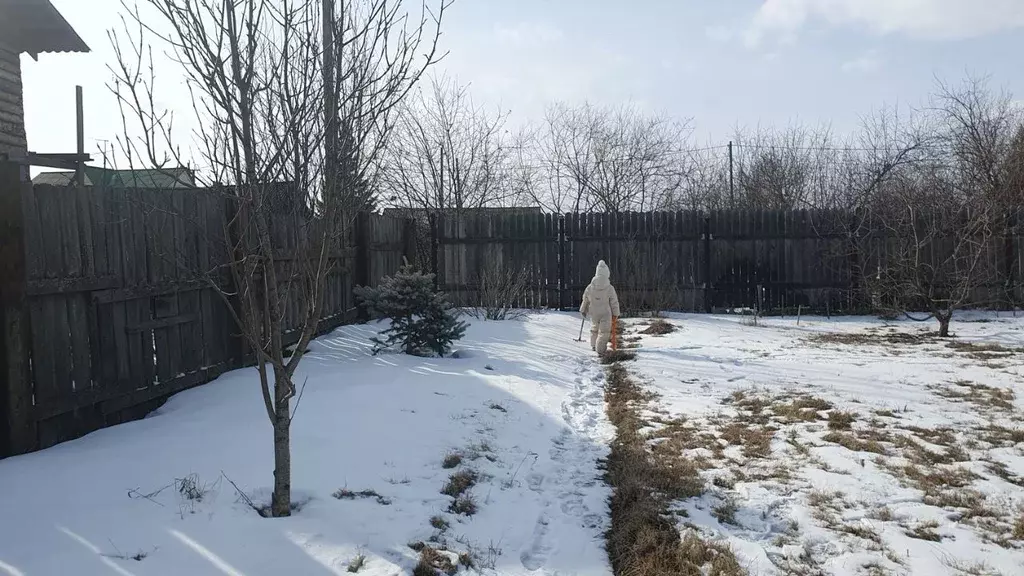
x=721, y=63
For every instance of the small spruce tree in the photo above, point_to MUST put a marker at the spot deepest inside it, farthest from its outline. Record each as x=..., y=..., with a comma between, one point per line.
x=423, y=321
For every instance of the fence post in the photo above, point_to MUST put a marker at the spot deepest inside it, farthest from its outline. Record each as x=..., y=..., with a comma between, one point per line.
x=409, y=237
x=563, y=303
x=362, y=275
x=435, y=224
x=233, y=213
x=1009, y=225
x=707, y=263
x=18, y=428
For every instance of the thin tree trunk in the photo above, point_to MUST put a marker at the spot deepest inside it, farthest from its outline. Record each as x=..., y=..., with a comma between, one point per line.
x=280, y=504
x=944, y=320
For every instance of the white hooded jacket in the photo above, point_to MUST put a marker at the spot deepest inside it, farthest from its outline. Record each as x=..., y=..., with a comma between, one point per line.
x=599, y=299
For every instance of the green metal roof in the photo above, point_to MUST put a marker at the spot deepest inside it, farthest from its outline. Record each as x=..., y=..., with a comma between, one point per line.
x=145, y=179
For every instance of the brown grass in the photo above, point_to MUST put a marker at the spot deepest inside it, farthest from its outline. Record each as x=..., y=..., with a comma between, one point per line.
x=983, y=351
x=614, y=356
x=432, y=561
x=659, y=328
x=853, y=443
x=642, y=539
x=726, y=512
x=1001, y=436
x=801, y=409
x=755, y=440
x=937, y=436
x=840, y=420
x=459, y=482
x=463, y=505
x=882, y=513
x=451, y=461
x=1002, y=471
x=345, y=494
x=870, y=338
x=925, y=531
x=982, y=396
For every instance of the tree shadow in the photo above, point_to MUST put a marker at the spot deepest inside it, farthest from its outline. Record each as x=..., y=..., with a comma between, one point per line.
x=520, y=407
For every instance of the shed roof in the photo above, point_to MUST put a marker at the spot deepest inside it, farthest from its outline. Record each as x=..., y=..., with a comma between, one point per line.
x=35, y=26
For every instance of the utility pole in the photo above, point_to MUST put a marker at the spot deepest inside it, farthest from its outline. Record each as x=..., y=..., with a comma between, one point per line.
x=80, y=128
x=732, y=203
x=330, y=102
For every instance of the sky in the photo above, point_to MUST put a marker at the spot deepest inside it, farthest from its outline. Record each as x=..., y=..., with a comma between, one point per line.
x=722, y=64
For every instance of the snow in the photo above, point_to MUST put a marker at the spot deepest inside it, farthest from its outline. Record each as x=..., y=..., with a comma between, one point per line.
x=523, y=403
x=698, y=368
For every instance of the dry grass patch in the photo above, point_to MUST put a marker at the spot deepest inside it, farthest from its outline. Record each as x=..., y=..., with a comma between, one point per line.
x=451, y=461
x=870, y=338
x=937, y=436
x=925, y=531
x=851, y=442
x=801, y=409
x=433, y=561
x=459, y=482
x=1001, y=436
x=659, y=327
x=860, y=530
x=645, y=481
x=726, y=512
x=615, y=356
x=882, y=514
x=970, y=568
x=756, y=441
x=1002, y=471
x=982, y=396
x=982, y=351
x=841, y=420
x=918, y=454
x=345, y=494
x=463, y=506
x=1018, y=527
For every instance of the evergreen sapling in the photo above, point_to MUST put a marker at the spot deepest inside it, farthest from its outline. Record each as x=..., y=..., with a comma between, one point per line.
x=423, y=321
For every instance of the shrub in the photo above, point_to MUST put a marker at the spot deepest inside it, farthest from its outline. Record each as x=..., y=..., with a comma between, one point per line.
x=423, y=321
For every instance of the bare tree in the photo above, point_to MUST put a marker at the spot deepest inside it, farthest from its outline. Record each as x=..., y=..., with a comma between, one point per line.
x=447, y=154
x=976, y=128
x=610, y=159
x=932, y=253
x=292, y=101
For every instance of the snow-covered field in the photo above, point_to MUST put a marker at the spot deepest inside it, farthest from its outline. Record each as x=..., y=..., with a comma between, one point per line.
x=848, y=446
x=522, y=406
x=842, y=446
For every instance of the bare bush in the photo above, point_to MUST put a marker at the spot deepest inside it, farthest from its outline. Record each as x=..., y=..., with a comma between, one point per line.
x=502, y=291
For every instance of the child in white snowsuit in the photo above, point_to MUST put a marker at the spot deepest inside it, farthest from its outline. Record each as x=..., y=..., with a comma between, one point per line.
x=601, y=304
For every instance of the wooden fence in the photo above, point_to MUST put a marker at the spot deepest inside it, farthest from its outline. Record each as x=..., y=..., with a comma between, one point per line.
x=104, y=317
x=687, y=261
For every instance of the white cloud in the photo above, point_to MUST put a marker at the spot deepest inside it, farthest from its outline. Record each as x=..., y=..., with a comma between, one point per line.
x=528, y=33
x=863, y=64
x=926, y=19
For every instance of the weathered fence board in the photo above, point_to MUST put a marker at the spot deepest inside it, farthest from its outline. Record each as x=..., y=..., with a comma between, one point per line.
x=121, y=306
x=691, y=261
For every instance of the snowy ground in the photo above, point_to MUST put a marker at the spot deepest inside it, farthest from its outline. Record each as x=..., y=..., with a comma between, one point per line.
x=843, y=446
x=847, y=446
x=522, y=408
